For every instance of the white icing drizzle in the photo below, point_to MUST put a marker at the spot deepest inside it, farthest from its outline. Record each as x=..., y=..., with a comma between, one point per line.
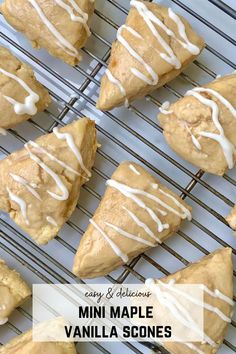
x=117, y=83
x=217, y=294
x=115, y=248
x=3, y=321
x=194, y=139
x=26, y=184
x=154, y=185
x=41, y=150
x=57, y=179
x=192, y=48
x=21, y=203
x=128, y=235
x=51, y=221
x=134, y=169
x=83, y=18
x=150, y=18
x=3, y=132
x=141, y=224
x=130, y=193
x=136, y=56
x=164, y=109
x=28, y=107
x=227, y=147
x=61, y=41
x=70, y=142
x=176, y=308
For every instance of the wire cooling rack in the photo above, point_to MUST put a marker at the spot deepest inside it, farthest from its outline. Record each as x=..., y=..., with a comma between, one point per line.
x=132, y=134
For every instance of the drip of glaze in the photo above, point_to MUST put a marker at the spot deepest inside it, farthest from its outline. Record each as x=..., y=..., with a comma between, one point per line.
x=134, y=169
x=56, y=178
x=115, y=248
x=21, y=203
x=117, y=83
x=83, y=18
x=70, y=142
x=150, y=18
x=51, y=221
x=128, y=235
x=130, y=193
x=176, y=308
x=227, y=147
x=41, y=150
x=193, y=49
x=3, y=132
x=164, y=109
x=194, y=139
x=3, y=321
x=28, y=107
x=61, y=41
x=141, y=224
x=26, y=184
x=136, y=56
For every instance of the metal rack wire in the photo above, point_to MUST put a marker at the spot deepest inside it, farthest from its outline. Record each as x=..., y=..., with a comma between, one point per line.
x=42, y=262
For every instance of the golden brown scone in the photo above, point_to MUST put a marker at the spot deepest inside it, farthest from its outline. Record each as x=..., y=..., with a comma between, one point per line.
x=23, y=344
x=13, y=291
x=59, y=26
x=231, y=218
x=144, y=57
x=40, y=184
x=188, y=122
x=128, y=221
x=215, y=272
x=33, y=98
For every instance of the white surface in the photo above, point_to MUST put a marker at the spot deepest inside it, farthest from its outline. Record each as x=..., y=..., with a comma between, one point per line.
x=21, y=250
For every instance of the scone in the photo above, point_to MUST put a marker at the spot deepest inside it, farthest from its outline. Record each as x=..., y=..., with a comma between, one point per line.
x=21, y=95
x=59, y=26
x=137, y=212
x=13, y=291
x=40, y=184
x=23, y=344
x=201, y=127
x=215, y=273
x=152, y=48
x=231, y=218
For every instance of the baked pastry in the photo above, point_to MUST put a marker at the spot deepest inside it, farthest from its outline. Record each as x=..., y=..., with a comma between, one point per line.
x=215, y=273
x=60, y=26
x=24, y=344
x=152, y=48
x=201, y=127
x=13, y=291
x=231, y=218
x=21, y=95
x=137, y=212
x=40, y=184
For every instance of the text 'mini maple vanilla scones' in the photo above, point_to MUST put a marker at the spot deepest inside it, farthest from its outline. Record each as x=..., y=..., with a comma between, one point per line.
x=154, y=46
x=59, y=26
x=201, y=127
x=21, y=95
x=40, y=184
x=136, y=213
x=13, y=291
x=215, y=274
x=24, y=344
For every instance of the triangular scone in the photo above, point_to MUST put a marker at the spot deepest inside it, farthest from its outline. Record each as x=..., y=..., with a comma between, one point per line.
x=215, y=272
x=231, y=218
x=59, y=26
x=151, y=49
x=13, y=291
x=24, y=344
x=21, y=95
x=40, y=184
x=201, y=127
x=137, y=212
